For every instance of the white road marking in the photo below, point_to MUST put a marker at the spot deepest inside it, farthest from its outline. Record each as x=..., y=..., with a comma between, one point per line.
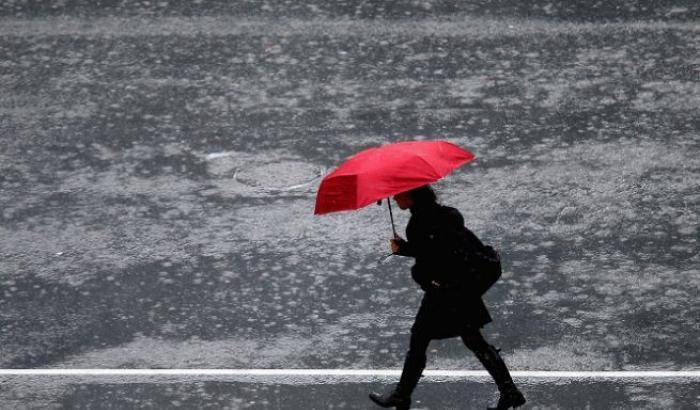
x=631, y=374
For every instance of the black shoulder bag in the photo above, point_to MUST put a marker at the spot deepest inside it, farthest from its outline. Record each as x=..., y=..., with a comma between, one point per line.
x=483, y=264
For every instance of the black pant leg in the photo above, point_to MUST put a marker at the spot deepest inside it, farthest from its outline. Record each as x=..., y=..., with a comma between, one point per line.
x=415, y=358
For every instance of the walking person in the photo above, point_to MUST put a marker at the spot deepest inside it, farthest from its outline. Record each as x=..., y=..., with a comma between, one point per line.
x=433, y=232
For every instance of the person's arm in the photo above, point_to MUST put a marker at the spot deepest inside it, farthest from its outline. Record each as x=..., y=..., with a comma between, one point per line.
x=436, y=238
x=452, y=232
x=441, y=237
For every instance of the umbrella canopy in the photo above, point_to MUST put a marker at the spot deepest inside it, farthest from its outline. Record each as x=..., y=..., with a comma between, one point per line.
x=377, y=173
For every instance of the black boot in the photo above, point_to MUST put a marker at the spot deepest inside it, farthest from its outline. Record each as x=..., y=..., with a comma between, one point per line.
x=494, y=364
x=401, y=396
x=393, y=399
x=510, y=397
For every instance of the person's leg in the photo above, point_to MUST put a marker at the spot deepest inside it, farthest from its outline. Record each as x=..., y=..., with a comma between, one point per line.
x=491, y=360
x=412, y=368
x=414, y=363
x=487, y=355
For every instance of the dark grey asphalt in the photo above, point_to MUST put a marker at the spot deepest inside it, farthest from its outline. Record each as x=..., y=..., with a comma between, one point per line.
x=570, y=10
x=473, y=394
x=158, y=166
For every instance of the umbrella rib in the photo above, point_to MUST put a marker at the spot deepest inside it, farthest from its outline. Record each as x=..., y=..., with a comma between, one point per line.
x=436, y=175
x=435, y=172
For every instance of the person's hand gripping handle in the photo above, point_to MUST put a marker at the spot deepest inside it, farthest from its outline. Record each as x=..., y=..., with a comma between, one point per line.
x=396, y=243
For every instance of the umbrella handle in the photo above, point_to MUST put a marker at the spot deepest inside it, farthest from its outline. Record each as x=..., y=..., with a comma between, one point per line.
x=391, y=215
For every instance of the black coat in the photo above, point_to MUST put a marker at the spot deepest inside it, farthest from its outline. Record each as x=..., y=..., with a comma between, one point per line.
x=436, y=238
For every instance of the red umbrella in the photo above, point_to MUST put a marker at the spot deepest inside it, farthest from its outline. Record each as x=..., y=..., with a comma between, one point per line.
x=377, y=173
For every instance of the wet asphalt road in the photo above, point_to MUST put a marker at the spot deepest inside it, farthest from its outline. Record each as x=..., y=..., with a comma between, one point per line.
x=159, y=162
x=473, y=394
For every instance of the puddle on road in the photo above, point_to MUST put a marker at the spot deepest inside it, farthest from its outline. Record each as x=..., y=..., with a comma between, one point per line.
x=263, y=173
